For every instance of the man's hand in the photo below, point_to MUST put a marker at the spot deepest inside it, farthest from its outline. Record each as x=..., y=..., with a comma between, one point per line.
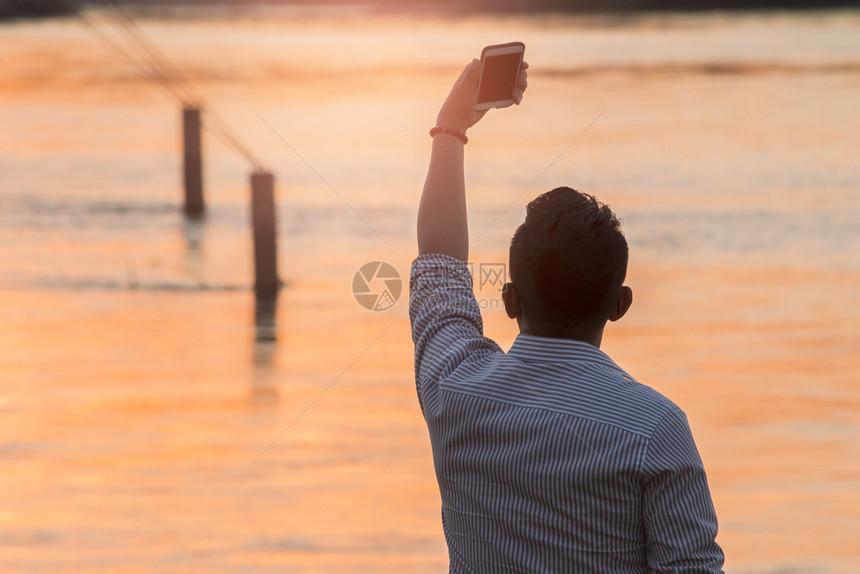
x=458, y=112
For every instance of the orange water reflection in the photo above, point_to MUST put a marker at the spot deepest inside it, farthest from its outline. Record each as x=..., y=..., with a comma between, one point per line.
x=154, y=419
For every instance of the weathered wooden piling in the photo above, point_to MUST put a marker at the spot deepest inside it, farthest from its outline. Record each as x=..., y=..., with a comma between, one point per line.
x=266, y=282
x=192, y=162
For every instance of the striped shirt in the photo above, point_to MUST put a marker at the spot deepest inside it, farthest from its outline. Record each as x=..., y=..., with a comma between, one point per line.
x=550, y=458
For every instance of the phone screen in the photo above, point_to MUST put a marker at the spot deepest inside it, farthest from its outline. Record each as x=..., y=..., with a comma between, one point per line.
x=499, y=77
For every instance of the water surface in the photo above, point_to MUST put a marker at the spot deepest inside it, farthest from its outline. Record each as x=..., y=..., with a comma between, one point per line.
x=155, y=419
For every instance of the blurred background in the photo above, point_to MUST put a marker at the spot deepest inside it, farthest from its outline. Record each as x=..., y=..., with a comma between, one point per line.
x=156, y=417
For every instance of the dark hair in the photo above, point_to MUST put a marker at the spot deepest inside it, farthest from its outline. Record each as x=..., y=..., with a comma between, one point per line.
x=568, y=262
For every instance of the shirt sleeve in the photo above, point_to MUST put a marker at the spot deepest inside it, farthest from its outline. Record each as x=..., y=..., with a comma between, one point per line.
x=679, y=516
x=446, y=323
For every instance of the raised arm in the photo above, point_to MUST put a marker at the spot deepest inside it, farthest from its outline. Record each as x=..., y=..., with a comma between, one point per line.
x=442, y=226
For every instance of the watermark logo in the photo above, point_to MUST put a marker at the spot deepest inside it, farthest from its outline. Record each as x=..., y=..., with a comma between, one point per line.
x=377, y=286
x=491, y=276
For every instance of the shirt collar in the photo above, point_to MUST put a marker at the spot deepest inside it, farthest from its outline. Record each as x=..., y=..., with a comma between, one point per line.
x=535, y=349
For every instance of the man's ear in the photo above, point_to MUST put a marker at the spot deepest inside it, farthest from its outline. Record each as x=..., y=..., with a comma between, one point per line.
x=511, y=300
x=625, y=300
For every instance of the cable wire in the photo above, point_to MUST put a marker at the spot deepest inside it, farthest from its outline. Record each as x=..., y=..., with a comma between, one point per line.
x=144, y=53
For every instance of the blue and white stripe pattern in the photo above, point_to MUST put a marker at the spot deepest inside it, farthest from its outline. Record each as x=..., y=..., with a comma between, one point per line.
x=550, y=458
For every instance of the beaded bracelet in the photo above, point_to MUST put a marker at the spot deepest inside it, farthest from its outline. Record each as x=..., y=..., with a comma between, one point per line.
x=459, y=135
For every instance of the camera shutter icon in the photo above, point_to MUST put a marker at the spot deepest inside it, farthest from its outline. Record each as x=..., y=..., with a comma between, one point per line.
x=377, y=286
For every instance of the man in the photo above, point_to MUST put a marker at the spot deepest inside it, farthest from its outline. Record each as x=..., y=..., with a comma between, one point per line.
x=549, y=458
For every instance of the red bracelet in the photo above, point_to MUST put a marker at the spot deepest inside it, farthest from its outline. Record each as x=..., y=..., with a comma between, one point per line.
x=459, y=135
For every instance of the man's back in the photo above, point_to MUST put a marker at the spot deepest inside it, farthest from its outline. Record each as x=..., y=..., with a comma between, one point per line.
x=550, y=458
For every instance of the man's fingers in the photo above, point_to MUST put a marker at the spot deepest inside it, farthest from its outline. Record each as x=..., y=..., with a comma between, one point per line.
x=473, y=72
x=522, y=84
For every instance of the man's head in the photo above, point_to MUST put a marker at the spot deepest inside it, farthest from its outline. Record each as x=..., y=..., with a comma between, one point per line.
x=568, y=261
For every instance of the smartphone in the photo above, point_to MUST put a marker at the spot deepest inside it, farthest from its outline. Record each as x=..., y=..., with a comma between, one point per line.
x=499, y=72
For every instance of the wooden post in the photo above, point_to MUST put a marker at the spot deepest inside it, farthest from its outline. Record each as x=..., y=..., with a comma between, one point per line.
x=192, y=162
x=266, y=282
